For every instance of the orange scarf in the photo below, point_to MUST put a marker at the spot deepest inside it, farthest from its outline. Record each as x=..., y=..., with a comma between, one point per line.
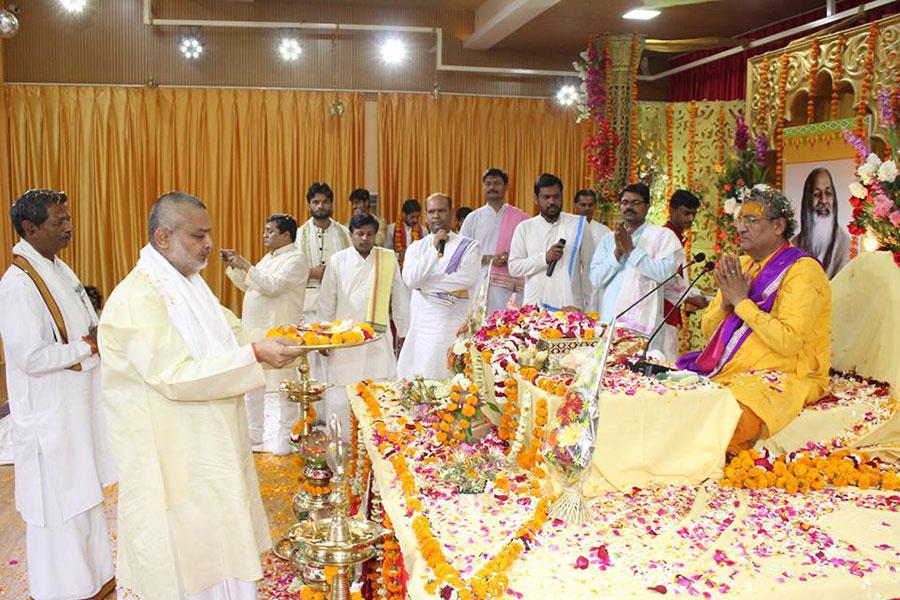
x=400, y=239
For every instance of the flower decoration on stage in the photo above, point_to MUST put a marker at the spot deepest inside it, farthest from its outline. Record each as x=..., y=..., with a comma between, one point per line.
x=470, y=469
x=600, y=147
x=744, y=169
x=875, y=195
x=343, y=332
x=460, y=413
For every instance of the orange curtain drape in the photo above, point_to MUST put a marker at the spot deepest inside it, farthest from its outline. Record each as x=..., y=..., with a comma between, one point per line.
x=245, y=153
x=443, y=145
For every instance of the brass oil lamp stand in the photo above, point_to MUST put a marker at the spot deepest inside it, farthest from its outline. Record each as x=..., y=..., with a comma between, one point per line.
x=305, y=391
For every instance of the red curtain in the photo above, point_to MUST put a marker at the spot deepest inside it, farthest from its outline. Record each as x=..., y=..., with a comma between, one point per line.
x=726, y=79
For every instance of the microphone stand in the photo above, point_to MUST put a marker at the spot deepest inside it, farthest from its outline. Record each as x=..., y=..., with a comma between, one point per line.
x=697, y=258
x=647, y=368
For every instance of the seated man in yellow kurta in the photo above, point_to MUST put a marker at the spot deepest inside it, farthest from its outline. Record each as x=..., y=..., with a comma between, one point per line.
x=769, y=327
x=190, y=518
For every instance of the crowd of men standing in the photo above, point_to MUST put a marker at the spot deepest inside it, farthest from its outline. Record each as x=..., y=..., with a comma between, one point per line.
x=186, y=398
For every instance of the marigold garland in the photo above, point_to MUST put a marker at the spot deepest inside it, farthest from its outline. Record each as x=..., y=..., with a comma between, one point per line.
x=669, y=174
x=400, y=239
x=529, y=458
x=635, y=39
x=509, y=418
x=779, y=121
x=804, y=472
x=813, y=70
x=692, y=133
x=763, y=108
x=391, y=580
x=607, y=75
x=838, y=72
x=868, y=73
x=456, y=420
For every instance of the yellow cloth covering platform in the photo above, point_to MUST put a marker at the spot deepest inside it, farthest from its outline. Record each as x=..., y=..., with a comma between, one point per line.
x=645, y=436
x=685, y=541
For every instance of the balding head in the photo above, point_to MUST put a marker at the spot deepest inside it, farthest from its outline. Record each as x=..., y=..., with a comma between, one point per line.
x=179, y=228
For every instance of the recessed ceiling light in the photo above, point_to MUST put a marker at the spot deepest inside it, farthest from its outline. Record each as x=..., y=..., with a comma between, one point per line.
x=289, y=48
x=641, y=14
x=393, y=51
x=567, y=95
x=73, y=6
x=190, y=47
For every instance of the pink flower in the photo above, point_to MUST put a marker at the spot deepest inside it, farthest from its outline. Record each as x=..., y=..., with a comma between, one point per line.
x=581, y=563
x=895, y=218
x=883, y=207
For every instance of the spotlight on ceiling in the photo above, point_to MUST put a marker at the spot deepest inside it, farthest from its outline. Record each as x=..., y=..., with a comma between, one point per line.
x=289, y=49
x=567, y=95
x=9, y=24
x=73, y=6
x=641, y=14
x=393, y=51
x=191, y=47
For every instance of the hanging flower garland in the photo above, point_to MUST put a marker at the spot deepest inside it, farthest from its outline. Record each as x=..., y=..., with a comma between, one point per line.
x=692, y=132
x=391, y=580
x=838, y=72
x=866, y=86
x=764, y=85
x=669, y=174
x=634, y=107
x=779, y=121
x=813, y=70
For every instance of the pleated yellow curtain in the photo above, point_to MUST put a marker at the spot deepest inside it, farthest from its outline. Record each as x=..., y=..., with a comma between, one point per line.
x=245, y=153
x=443, y=145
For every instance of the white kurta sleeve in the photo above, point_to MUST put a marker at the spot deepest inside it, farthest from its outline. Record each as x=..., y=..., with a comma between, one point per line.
x=400, y=303
x=238, y=277
x=294, y=274
x=420, y=260
x=469, y=271
x=520, y=264
x=604, y=265
x=656, y=269
x=27, y=333
x=326, y=309
x=585, y=254
x=139, y=335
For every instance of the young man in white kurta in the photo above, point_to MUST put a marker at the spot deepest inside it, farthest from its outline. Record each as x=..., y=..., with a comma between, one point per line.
x=191, y=524
x=274, y=292
x=484, y=225
x=535, y=245
x=585, y=204
x=439, y=299
x=631, y=261
x=345, y=292
x=60, y=444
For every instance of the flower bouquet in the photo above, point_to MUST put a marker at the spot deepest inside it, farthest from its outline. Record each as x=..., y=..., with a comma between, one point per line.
x=459, y=417
x=875, y=196
x=470, y=470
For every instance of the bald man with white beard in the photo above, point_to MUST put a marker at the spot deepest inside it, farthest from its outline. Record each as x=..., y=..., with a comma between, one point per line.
x=820, y=233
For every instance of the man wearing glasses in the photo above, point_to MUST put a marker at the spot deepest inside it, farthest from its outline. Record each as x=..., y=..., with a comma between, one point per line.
x=631, y=261
x=769, y=326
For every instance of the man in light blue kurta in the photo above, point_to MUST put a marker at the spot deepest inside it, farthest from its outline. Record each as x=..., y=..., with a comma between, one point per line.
x=628, y=263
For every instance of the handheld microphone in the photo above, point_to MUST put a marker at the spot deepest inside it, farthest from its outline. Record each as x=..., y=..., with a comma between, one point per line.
x=552, y=264
x=441, y=245
x=699, y=257
x=641, y=365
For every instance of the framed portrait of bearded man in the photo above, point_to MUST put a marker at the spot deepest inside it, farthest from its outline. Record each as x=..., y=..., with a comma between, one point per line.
x=819, y=166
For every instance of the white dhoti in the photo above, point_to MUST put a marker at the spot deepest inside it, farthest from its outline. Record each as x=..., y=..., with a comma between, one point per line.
x=432, y=331
x=270, y=415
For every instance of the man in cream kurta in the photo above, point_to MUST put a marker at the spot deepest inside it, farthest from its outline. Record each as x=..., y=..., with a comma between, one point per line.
x=492, y=226
x=441, y=285
x=60, y=445
x=191, y=523
x=345, y=294
x=536, y=244
x=274, y=291
x=585, y=205
x=631, y=261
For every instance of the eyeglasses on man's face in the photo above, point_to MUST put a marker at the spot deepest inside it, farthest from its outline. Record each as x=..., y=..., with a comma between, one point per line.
x=632, y=202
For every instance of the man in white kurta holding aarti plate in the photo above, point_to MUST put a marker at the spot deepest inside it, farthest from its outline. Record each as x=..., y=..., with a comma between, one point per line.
x=60, y=444
x=274, y=291
x=362, y=283
x=191, y=524
x=441, y=270
x=538, y=246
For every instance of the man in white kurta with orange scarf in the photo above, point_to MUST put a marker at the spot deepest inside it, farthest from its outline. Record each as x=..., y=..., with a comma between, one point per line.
x=60, y=445
x=191, y=524
x=362, y=283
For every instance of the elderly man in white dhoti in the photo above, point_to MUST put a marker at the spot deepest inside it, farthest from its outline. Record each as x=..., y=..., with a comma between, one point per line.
x=551, y=251
x=60, y=445
x=362, y=283
x=274, y=291
x=191, y=523
x=441, y=269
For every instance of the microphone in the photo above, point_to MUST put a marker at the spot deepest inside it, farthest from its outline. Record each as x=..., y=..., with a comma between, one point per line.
x=552, y=264
x=441, y=245
x=647, y=368
x=699, y=257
